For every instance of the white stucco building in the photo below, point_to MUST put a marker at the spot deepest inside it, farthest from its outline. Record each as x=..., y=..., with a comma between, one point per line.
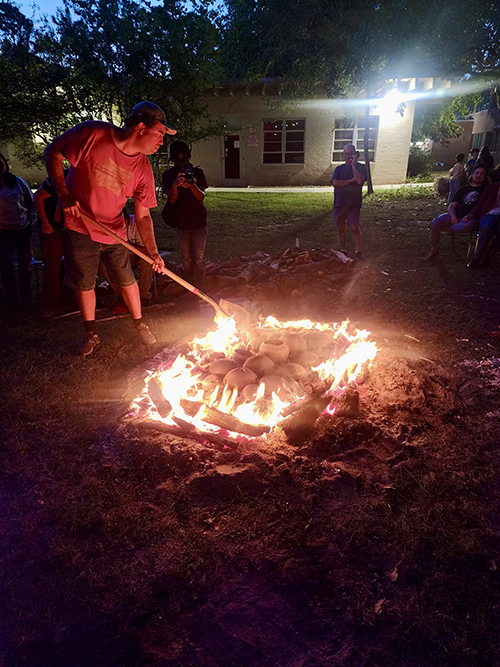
x=268, y=141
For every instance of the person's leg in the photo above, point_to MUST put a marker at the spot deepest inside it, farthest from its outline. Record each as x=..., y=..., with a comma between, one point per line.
x=340, y=219
x=24, y=256
x=7, y=268
x=488, y=227
x=198, y=242
x=438, y=225
x=81, y=261
x=353, y=215
x=145, y=275
x=116, y=259
x=86, y=300
x=184, y=236
x=131, y=296
x=52, y=254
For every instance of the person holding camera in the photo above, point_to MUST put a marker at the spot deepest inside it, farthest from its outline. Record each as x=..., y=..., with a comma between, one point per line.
x=185, y=187
x=347, y=181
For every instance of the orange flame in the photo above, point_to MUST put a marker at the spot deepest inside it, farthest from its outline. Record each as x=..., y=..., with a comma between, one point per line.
x=349, y=353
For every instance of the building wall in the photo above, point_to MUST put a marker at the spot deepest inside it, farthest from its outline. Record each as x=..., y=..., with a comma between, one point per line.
x=248, y=112
x=462, y=144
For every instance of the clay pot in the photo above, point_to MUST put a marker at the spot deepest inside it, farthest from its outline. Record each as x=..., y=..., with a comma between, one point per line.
x=238, y=378
x=316, y=340
x=256, y=342
x=216, y=355
x=307, y=359
x=259, y=364
x=249, y=392
x=222, y=366
x=210, y=382
x=276, y=350
x=294, y=371
x=295, y=342
x=274, y=384
x=241, y=355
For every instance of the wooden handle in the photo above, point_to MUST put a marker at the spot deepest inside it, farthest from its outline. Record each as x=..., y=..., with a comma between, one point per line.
x=85, y=216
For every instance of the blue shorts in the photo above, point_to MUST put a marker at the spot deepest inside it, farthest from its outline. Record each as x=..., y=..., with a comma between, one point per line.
x=82, y=257
x=343, y=214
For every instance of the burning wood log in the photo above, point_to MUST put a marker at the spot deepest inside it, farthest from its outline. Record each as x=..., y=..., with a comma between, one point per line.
x=301, y=425
x=219, y=441
x=223, y=419
x=231, y=423
x=156, y=395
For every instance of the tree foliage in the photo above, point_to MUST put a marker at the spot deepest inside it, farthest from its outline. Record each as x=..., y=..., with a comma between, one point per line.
x=347, y=43
x=439, y=121
x=97, y=58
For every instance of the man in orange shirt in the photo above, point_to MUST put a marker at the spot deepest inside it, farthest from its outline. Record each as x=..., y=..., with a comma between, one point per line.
x=108, y=165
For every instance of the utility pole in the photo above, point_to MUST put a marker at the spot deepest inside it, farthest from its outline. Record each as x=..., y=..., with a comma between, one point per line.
x=369, y=183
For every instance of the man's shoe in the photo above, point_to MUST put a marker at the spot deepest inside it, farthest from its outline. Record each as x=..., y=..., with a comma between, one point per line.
x=432, y=254
x=358, y=256
x=90, y=341
x=145, y=334
x=474, y=264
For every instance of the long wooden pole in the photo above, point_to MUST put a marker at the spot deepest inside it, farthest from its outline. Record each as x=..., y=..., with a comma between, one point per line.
x=149, y=260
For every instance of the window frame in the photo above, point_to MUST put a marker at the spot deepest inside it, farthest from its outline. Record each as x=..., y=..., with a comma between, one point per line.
x=357, y=137
x=283, y=141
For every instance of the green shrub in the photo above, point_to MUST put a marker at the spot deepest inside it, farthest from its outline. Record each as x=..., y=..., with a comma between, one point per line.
x=420, y=163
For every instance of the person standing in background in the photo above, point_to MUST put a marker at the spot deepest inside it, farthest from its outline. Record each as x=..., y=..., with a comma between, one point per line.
x=18, y=214
x=185, y=187
x=347, y=181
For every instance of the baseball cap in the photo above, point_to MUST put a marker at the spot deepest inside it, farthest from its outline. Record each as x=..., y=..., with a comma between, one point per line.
x=149, y=111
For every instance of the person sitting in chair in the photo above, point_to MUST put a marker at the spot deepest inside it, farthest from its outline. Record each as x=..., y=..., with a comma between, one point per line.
x=456, y=220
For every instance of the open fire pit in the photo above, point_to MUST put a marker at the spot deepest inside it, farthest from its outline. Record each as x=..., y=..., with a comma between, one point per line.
x=232, y=385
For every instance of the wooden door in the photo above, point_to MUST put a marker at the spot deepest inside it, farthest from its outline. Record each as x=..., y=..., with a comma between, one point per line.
x=232, y=156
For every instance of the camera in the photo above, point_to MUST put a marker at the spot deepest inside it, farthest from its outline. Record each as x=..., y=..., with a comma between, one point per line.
x=189, y=176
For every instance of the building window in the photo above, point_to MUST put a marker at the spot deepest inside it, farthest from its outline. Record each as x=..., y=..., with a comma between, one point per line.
x=352, y=131
x=493, y=141
x=284, y=142
x=477, y=140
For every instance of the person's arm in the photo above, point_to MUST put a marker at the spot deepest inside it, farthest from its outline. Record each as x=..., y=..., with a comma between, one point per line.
x=173, y=192
x=53, y=162
x=452, y=212
x=341, y=184
x=145, y=228
x=197, y=192
x=40, y=195
x=358, y=176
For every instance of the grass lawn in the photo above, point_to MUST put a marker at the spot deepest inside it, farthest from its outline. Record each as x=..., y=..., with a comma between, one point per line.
x=120, y=549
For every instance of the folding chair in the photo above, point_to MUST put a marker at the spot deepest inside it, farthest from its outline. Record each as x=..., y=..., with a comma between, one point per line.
x=472, y=245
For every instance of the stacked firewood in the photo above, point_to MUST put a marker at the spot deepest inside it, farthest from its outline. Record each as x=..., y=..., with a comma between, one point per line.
x=292, y=272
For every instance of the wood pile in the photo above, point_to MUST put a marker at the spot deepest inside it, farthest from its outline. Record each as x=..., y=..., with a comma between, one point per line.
x=292, y=272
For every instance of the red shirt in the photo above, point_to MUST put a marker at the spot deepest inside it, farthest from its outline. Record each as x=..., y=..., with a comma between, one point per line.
x=487, y=201
x=102, y=178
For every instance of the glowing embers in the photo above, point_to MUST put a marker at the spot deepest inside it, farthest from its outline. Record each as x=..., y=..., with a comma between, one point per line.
x=247, y=383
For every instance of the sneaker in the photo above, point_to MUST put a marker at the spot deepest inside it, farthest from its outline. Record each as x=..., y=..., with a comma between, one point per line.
x=474, y=264
x=432, y=254
x=90, y=341
x=145, y=334
x=358, y=256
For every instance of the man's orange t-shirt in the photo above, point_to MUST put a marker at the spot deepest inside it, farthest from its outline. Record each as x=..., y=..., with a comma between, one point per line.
x=102, y=178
